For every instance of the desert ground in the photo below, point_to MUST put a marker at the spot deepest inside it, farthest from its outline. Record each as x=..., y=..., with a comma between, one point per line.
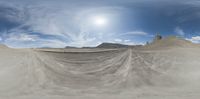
x=169, y=69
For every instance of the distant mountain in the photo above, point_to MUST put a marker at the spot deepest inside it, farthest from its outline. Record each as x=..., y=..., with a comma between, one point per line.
x=112, y=45
x=70, y=47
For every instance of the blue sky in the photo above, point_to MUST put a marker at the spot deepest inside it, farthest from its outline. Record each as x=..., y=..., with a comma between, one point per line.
x=59, y=23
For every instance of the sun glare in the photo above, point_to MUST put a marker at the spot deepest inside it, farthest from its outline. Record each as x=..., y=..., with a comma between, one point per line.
x=99, y=21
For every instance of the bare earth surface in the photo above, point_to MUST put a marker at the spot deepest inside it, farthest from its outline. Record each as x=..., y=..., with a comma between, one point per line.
x=171, y=73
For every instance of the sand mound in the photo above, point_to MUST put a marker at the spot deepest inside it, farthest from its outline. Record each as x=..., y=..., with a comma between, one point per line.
x=2, y=46
x=170, y=42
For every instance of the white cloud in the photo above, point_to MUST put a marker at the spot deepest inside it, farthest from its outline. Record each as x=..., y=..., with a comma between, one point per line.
x=118, y=40
x=58, y=21
x=136, y=33
x=84, y=42
x=195, y=39
x=22, y=37
x=127, y=40
x=30, y=43
x=179, y=31
x=25, y=40
x=51, y=43
x=130, y=43
x=66, y=20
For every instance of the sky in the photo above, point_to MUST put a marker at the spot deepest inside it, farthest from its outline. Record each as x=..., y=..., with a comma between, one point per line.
x=60, y=23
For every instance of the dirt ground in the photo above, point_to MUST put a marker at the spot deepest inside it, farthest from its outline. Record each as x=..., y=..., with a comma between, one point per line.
x=125, y=73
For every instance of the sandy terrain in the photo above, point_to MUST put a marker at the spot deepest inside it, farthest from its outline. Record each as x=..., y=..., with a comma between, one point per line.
x=126, y=73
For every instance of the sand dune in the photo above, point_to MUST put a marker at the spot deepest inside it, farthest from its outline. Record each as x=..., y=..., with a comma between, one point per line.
x=128, y=73
x=171, y=42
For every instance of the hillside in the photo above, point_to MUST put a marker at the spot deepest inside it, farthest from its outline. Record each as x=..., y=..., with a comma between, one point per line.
x=170, y=42
x=2, y=46
x=112, y=45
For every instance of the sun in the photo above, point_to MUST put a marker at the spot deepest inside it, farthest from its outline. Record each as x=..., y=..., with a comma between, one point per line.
x=99, y=21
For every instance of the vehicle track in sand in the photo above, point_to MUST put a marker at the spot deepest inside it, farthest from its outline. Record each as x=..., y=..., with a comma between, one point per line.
x=36, y=72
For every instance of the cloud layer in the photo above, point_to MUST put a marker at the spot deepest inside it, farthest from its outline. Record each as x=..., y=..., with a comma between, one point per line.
x=38, y=23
